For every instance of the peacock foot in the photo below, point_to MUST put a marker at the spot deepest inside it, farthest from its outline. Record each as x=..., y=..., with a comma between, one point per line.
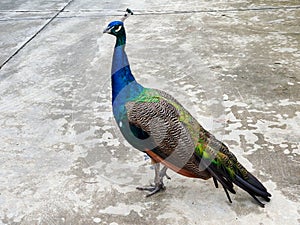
x=158, y=181
x=153, y=188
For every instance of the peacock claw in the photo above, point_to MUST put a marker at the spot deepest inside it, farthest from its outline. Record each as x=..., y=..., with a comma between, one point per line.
x=153, y=189
x=147, y=188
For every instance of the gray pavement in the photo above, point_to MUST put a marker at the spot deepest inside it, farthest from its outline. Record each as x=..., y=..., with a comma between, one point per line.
x=235, y=65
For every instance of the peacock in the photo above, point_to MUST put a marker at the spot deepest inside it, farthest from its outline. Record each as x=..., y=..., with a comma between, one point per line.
x=155, y=123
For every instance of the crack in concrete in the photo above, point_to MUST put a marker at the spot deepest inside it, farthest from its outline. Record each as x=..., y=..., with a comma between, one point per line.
x=32, y=37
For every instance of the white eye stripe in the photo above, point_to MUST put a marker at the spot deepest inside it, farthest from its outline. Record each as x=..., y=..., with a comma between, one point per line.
x=117, y=30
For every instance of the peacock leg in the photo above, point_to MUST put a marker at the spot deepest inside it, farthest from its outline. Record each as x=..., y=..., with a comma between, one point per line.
x=158, y=181
x=163, y=173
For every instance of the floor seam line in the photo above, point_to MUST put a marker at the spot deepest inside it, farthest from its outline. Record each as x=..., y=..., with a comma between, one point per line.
x=32, y=37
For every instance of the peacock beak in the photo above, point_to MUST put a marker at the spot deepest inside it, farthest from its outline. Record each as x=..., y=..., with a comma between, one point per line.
x=107, y=30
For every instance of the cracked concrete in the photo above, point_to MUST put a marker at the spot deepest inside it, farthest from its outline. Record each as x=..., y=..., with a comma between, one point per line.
x=234, y=65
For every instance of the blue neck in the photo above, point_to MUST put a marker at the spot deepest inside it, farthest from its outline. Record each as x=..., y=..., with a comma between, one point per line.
x=121, y=38
x=124, y=85
x=121, y=73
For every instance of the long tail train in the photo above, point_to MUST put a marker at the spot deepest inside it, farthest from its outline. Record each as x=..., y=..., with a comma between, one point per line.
x=250, y=184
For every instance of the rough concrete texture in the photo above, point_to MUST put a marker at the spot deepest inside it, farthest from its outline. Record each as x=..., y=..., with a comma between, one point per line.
x=234, y=64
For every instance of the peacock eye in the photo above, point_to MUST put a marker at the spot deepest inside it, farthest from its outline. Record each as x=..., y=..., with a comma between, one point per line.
x=118, y=28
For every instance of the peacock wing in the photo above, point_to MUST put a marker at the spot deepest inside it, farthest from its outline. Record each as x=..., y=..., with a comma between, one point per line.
x=164, y=130
x=154, y=119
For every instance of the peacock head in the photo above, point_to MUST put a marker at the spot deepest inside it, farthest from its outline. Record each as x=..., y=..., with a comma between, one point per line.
x=116, y=28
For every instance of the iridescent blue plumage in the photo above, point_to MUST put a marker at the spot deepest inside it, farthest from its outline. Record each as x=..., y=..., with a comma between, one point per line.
x=124, y=85
x=154, y=122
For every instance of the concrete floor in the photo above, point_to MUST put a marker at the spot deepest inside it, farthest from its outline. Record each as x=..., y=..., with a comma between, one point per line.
x=234, y=64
